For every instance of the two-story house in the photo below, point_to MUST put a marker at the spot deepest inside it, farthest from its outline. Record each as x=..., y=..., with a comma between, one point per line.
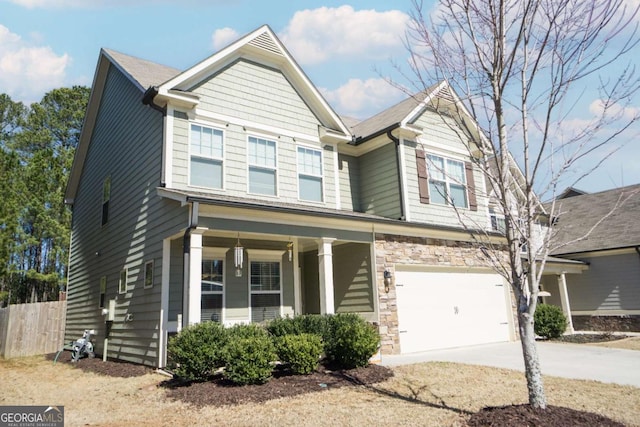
x=232, y=192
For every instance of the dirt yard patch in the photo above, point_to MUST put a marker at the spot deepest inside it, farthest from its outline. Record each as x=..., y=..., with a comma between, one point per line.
x=441, y=394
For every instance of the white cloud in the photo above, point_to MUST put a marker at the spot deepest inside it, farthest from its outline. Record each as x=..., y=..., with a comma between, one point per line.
x=313, y=36
x=32, y=4
x=26, y=70
x=95, y=4
x=362, y=98
x=223, y=36
x=597, y=108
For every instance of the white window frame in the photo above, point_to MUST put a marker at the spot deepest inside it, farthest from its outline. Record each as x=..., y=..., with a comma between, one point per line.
x=221, y=159
x=251, y=165
x=263, y=255
x=448, y=180
x=217, y=254
x=495, y=215
x=148, y=274
x=123, y=281
x=301, y=173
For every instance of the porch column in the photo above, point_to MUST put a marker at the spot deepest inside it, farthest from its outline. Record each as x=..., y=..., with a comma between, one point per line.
x=297, y=285
x=564, y=300
x=193, y=282
x=325, y=266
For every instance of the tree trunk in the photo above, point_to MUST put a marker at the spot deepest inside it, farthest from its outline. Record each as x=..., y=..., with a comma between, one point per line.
x=532, y=371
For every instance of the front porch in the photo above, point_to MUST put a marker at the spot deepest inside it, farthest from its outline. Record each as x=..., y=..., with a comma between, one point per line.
x=236, y=277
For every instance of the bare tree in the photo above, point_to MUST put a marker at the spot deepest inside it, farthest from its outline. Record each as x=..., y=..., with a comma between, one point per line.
x=520, y=67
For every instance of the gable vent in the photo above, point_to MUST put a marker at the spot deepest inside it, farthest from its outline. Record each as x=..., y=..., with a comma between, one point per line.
x=445, y=93
x=264, y=41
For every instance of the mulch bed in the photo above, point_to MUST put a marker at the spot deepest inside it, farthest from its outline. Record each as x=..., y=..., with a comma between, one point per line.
x=111, y=368
x=525, y=415
x=219, y=392
x=589, y=338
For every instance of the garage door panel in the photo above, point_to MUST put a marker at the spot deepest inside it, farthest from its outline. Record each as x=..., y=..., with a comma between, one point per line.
x=443, y=310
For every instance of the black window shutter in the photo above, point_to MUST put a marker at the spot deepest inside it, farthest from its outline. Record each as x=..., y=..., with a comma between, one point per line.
x=423, y=178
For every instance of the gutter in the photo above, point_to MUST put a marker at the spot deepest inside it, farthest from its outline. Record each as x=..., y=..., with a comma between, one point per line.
x=363, y=139
x=399, y=168
x=148, y=99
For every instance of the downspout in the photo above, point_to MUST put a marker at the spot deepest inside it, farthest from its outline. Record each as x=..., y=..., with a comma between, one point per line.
x=401, y=190
x=638, y=250
x=149, y=99
x=186, y=251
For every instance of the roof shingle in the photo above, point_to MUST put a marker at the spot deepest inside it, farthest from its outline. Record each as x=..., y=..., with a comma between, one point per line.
x=578, y=214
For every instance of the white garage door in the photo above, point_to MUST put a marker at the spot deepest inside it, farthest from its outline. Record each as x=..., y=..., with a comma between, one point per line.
x=443, y=309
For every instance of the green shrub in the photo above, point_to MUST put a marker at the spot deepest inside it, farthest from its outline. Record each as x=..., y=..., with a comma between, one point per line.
x=351, y=341
x=302, y=352
x=243, y=330
x=282, y=326
x=197, y=350
x=248, y=360
x=549, y=321
x=317, y=324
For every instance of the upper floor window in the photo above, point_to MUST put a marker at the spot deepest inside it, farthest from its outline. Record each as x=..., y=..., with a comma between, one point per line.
x=310, y=174
x=262, y=166
x=497, y=220
x=106, y=196
x=447, y=181
x=206, y=149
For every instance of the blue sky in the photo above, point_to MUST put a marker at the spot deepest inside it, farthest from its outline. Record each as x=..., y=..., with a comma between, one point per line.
x=345, y=47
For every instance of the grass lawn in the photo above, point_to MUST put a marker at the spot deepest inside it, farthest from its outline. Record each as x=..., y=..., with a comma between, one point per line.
x=430, y=394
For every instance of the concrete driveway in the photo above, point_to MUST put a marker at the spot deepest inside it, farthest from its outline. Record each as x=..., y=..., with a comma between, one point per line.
x=609, y=365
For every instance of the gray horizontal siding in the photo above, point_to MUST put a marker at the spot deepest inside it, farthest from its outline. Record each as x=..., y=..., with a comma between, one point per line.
x=379, y=182
x=250, y=91
x=610, y=283
x=349, y=175
x=127, y=145
x=444, y=131
x=353, y=278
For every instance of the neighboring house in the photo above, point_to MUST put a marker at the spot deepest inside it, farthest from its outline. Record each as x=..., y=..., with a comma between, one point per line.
x=232, y=192
x=601, y=230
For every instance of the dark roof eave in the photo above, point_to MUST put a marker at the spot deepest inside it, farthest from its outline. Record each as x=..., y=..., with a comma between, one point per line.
x=335, y=215
x=614, y=248
x=362, y=139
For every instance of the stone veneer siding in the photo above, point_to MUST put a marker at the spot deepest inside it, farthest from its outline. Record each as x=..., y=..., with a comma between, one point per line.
x=621, y=323
x=405, y=250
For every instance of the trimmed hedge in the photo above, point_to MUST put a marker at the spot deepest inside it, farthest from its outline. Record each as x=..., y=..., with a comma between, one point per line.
x=301, y=352
x=317, y=324
x=249, y=359
x=351, y=341
x=549, y=321
x=198, y=350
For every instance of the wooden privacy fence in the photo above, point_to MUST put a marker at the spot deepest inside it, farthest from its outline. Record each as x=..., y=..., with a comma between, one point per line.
x=31, y=329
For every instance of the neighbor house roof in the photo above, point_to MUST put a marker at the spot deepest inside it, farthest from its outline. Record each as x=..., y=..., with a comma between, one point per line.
x=617, y=209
